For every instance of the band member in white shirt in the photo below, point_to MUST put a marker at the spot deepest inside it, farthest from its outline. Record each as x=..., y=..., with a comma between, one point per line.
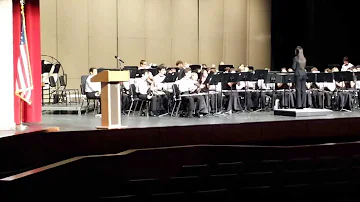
x=265, y=92
x=343, y=99
x=285, y=93
x=160, y=89
x=159, y=78
x=143, y=65
x=188, y=86
x=252, y=97
x=145, y=93
x=92, y=89
x=180, y=65
x=232, y=96
x=314, y=95
x=328, y=89
x=347, y=65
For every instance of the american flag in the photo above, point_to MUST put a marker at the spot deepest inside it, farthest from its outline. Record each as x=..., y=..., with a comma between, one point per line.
x=24, y=83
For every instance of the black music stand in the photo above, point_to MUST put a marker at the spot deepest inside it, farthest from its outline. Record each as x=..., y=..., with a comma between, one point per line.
x=343, y=77
x=133, y=71
x=46, y=68
x=226, y=78
x=170, y=77
x=246, y=77
x=195, y=67
x=324, y=78
x=56, y=68
x=260, y=75
x=289, y=78
x=311, y=77
x=223, y=67
x=280, y=78
x=214, y=79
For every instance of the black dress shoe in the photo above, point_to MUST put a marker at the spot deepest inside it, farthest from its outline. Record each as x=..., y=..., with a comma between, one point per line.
x=299, y=107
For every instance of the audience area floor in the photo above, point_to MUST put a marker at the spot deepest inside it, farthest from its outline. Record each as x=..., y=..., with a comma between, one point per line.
x=70, y=122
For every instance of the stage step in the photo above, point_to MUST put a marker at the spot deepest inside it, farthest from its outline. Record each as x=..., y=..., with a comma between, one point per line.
x=307, y=112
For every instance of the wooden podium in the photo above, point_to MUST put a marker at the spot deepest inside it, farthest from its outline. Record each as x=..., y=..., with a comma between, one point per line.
x=111, y=97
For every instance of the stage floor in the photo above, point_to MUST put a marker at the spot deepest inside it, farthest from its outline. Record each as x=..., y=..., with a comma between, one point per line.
x=73, y=122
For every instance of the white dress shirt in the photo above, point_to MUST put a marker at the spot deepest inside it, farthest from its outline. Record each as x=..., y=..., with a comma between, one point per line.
x=248, y=84
x=265, y=86
x=92, y=86
x=346, y=67
x=158, y=81
x=186, y=85
x=330, y=86
x=142, y=86
x=216, y=88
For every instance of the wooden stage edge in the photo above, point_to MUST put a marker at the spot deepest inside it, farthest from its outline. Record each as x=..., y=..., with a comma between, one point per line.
x=232, y=133
x=46, y=146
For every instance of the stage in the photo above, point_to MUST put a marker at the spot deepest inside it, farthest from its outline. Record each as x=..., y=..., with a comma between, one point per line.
x=78, y=137
x=73, y=122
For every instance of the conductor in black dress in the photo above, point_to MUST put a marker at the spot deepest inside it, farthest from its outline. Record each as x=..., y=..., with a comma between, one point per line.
x=299, y=63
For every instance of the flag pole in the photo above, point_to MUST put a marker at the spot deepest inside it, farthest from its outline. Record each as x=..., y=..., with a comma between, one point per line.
x=21, y=126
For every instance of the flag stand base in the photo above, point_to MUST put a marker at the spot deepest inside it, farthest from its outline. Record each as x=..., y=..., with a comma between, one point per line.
x=21, y=127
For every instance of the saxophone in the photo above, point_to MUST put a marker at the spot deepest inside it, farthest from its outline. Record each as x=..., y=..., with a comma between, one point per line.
x=150, y=92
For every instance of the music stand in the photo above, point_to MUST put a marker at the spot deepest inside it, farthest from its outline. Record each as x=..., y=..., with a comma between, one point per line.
x=311, y=77
x=208, y=78
x=260, y=75
x=324, y=78
x=222, y=67
x=280, y=78
x=46, y=68
x=213, y=79
x=195, y=67
x=246, y=77
x=133, y=70
x=289, y=78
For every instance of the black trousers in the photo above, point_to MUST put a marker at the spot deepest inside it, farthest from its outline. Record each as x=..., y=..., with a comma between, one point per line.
x=197, y=103
x=154, y=102
x=263, y=96
x=215, y=102
x=92, y=95
x=300, y=86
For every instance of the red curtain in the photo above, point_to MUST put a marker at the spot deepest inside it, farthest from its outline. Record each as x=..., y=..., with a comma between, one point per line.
x=30, y=113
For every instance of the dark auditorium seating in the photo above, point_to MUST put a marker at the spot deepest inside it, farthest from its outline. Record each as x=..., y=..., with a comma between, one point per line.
x=204, y=172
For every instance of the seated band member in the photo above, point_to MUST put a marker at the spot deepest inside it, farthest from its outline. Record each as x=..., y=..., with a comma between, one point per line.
x=314, y=93
x=326, y=92
x=214, y=94
x=347, y=65
x=266, y=90
x=160, y=89
x=188, y=86
x=252, y=97
x=143, y=65
x=232, y=97
x=201, y=88
x=92, y=89
x=285, y=93
x=343, y=99
x=143, y=86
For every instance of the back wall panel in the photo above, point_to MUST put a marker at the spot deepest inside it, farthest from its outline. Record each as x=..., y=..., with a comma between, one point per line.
x=89, y=33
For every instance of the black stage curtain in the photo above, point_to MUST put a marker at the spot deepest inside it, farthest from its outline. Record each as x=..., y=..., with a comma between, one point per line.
x=326, y=29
